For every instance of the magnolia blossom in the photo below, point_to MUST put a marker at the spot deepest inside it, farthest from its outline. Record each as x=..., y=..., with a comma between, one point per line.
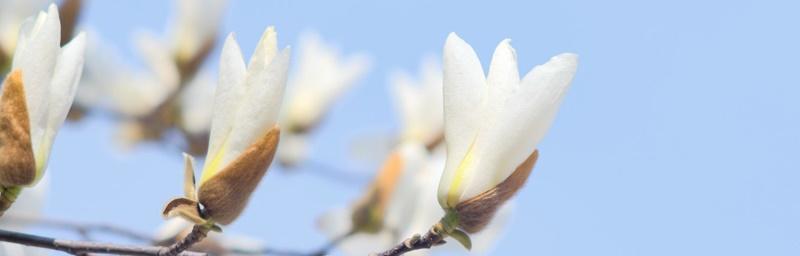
x=492, y=126
x=374, y=221
x=419, y=103
x=322, y=76
x=244, y=134
x=12, y=15
x=36, y=97
x=113, y=85
x=195, y=27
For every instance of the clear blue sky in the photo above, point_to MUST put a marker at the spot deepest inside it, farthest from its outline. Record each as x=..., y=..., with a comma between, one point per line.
x=680, y=135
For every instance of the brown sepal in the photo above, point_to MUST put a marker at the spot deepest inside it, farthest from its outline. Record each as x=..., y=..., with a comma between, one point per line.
x=225, y=195
x=17, y=163
x=475, y=213
x=185, y=208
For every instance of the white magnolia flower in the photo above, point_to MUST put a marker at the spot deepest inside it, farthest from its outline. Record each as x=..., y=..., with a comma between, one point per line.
x=322, y=76
x=37, y=96
x=376, y=218
x=195, y=26
x=243, y=136
x=12, y=15
x=419, y=103
x=492, y=126
x=113, y=85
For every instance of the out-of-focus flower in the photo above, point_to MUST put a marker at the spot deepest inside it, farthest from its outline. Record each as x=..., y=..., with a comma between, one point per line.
x=492, y=126
x=194, y=31
x=419, y=103
x=322, y=76
x=36, y=97
x=28, y=207
x=12, y=15
x=369, y=224
x=244, y=134
x=196, y=112
x=110, y=85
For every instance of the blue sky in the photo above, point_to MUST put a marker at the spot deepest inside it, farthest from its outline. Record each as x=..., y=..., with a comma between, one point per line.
x=679, y=136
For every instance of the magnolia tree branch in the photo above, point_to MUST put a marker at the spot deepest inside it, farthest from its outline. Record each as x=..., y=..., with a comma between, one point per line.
x=416, y=242
x=84, y=247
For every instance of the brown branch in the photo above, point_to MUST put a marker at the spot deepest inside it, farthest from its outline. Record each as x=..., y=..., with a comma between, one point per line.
x=416, y=242
x=84, y=247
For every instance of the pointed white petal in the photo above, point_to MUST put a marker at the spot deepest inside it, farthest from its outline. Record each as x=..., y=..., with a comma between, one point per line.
x=522, y=123
x=260, y=106
x=503, y=75
x=64, y=85
x=464, y=93
x=227, y=99
x=265, y=51
x=37, y=59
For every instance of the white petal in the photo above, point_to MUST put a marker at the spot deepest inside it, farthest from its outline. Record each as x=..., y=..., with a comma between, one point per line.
x=37, y=59
x=68, y=70
x=260, y=106
x=522, y=123
x=503, y=80
x=265, y=51
x=227, y=99
x=464, y=92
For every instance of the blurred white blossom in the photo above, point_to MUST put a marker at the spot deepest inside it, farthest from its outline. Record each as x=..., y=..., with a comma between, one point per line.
x=12, y=15
x=322, y=74
x=419, y=103
x=49, y=75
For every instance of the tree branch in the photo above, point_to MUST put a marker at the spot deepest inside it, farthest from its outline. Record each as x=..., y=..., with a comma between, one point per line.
x=416, y=242
x=83, y=247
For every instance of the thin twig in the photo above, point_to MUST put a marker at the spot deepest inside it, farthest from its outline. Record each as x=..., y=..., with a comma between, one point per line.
x=84, y=228
x=416, y=242
x=84, y=247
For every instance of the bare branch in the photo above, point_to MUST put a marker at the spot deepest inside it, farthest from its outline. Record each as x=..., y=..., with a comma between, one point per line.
x=83, y=247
